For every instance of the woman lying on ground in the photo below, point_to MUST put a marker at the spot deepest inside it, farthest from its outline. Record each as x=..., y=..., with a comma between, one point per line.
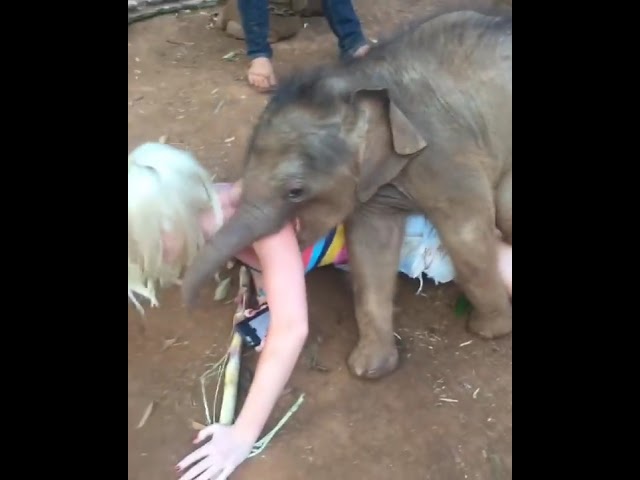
x=173, y=208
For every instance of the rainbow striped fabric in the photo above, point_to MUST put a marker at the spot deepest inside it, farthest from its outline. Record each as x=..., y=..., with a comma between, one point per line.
x=330, y=250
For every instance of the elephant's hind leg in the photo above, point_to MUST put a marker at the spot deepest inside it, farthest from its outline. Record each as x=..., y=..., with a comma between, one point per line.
x=461, y=205
x=504, y=208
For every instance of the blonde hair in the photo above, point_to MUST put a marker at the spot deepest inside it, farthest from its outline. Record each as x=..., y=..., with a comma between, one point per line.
x=168, y=191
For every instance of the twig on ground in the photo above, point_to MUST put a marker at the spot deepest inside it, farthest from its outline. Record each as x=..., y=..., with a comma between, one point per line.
x=176, y=42
x=264, y=441
x=146, y=414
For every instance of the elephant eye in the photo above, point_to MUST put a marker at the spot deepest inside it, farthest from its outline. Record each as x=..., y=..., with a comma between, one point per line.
x=295, y=193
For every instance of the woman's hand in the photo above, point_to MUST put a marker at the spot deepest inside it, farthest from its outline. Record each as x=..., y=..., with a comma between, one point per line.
x=219, y=457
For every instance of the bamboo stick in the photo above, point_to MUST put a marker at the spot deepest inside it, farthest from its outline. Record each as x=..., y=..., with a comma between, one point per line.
x=232, y=370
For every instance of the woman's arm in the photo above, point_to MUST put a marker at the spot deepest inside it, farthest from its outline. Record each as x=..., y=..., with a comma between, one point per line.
x=284, y=282
x=278, y=257
x=283, y=274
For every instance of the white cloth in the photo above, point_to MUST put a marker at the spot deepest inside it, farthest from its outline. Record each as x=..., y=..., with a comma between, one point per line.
x=422, y=253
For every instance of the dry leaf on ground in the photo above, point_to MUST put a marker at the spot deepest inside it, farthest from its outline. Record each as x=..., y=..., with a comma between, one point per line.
x=146, y=415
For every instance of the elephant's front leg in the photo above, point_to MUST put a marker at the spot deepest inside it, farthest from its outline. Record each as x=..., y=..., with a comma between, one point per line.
x=374, y=241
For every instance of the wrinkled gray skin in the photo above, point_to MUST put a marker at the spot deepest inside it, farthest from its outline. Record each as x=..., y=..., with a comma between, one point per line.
x=421, y=124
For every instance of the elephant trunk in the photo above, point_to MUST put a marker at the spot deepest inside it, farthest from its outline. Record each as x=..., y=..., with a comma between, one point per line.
x=248, y=224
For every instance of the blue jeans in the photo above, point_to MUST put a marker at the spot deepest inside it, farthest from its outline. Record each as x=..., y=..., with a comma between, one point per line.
x=340, y=15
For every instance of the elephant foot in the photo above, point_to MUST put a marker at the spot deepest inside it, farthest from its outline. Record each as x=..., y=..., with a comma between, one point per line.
x=373, y=360
x=491, y=326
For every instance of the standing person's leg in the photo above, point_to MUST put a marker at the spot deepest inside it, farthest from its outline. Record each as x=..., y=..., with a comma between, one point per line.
x=345, y=24
x=255, y=23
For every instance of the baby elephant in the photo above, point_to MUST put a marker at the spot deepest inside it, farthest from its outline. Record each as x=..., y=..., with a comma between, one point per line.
x=420, y=124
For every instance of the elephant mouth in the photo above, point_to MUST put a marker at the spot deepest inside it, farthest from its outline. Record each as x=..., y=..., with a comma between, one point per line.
x=303, y=240
x=297, y=228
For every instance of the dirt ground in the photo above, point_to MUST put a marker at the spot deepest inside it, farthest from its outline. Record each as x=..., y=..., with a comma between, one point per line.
x=445, y=414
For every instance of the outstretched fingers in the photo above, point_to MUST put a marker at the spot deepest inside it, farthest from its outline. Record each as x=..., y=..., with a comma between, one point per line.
x=205, y=470
x=225, y=473
x=201, y=452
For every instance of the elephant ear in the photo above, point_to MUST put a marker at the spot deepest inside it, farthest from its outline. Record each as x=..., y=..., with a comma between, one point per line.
x=378, y=165
x=406, y=138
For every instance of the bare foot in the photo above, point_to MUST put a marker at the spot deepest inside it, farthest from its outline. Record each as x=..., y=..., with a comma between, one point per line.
x=362, y=51
x=260, y=74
